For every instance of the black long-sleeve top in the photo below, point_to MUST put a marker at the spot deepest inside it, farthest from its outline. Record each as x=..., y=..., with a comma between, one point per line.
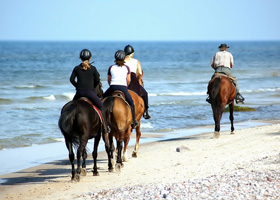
x=86, y=79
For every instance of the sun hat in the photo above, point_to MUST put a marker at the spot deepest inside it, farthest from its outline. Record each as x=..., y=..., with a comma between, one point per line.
x=223, y=47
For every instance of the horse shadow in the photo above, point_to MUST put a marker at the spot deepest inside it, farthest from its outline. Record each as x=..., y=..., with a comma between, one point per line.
x=43, y=173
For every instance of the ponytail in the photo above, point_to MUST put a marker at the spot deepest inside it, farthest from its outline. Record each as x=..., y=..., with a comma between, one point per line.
x=85, y=65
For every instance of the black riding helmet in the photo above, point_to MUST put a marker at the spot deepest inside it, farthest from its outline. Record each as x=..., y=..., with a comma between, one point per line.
x=128, y=49
x=85, y=54
x=120, y=55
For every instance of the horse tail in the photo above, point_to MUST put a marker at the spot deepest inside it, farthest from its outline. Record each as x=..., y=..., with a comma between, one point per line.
x=216, y=84
x=108, y=107
x=66, y=122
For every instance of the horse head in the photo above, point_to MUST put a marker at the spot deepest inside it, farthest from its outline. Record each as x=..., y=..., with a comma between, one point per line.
x=98, y=90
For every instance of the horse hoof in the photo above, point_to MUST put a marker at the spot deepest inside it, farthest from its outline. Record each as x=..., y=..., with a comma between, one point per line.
x=118, y=167
x=216, y=134
x=76, y=178
x=232, y=132
x=111, y=169
x=95, y=173
x=84, y=172
x=134, y=154
x=125, y=159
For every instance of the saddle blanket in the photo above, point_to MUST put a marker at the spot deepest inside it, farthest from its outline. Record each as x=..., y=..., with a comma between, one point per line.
x=94, y=107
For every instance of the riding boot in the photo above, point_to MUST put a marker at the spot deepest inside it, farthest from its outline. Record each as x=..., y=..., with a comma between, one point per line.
x=146, y=114
x=208, y=99
x=239, y=98
x=105, y=126
x=134, y=121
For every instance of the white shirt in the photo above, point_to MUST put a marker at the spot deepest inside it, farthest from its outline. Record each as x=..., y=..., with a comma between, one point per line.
x=132, y=64
x=222, y=58
x=118, y=74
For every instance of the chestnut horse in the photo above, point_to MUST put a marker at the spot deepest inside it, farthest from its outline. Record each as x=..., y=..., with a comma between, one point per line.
x=222, y=92
x=119, y=118
x=139, y=111
x=78, y=123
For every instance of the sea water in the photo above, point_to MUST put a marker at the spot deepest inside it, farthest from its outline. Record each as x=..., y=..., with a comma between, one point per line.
x=35, y=84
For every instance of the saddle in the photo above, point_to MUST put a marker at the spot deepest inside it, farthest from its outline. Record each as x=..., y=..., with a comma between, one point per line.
x=219, y=75
x=222, y=74
x=120, y=94
x=94, y=107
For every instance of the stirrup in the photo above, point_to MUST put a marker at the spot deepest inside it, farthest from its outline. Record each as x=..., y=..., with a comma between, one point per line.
x=107, y=130
x=239, y=98
x=146, y=115
x=134, y=124
x=208, y=100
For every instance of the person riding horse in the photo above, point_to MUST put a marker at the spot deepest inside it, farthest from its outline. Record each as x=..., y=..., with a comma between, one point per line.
x=135, y=68
x=222, y=62
x=87, y=79
x=118, y=79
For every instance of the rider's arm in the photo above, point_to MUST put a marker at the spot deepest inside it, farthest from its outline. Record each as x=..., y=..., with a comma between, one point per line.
x=139, y=68
x=109, y=79
x=212, y=62
x=231, y=61
x=72, y=78
x=128, y=78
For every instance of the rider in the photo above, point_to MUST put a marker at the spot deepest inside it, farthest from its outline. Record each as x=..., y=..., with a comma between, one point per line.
x=118, y=79
x=222, y=62
x=87, y=79
x=135, y=68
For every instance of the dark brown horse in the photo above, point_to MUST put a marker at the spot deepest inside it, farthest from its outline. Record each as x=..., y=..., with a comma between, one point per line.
x=222, y=92
x=78, y=123
x=119, y=118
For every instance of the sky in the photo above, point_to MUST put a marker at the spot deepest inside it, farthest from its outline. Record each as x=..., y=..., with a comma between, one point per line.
x=143, y=20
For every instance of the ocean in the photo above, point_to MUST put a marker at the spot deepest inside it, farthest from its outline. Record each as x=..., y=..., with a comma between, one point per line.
x=35, y=85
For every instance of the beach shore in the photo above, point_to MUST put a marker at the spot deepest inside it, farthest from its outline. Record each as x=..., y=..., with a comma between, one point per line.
x=245, y=165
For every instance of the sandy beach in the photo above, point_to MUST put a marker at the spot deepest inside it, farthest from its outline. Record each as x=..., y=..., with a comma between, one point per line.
x=250, y=159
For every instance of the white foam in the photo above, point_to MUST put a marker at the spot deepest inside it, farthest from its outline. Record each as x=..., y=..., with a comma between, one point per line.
x=178, y=94
x=262, y=90
x=68, y=95
x=146, y=125
x=26, y=86
x=51, y=97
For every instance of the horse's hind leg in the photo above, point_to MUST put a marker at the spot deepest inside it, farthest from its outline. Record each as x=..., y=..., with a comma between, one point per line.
x=136, y=147
x=80, y=152
x=84, y=170
x=94, y=154
x=126, y=141
x=217, y=112
x=71, y=156
x=231, y=107
x=119, y=163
